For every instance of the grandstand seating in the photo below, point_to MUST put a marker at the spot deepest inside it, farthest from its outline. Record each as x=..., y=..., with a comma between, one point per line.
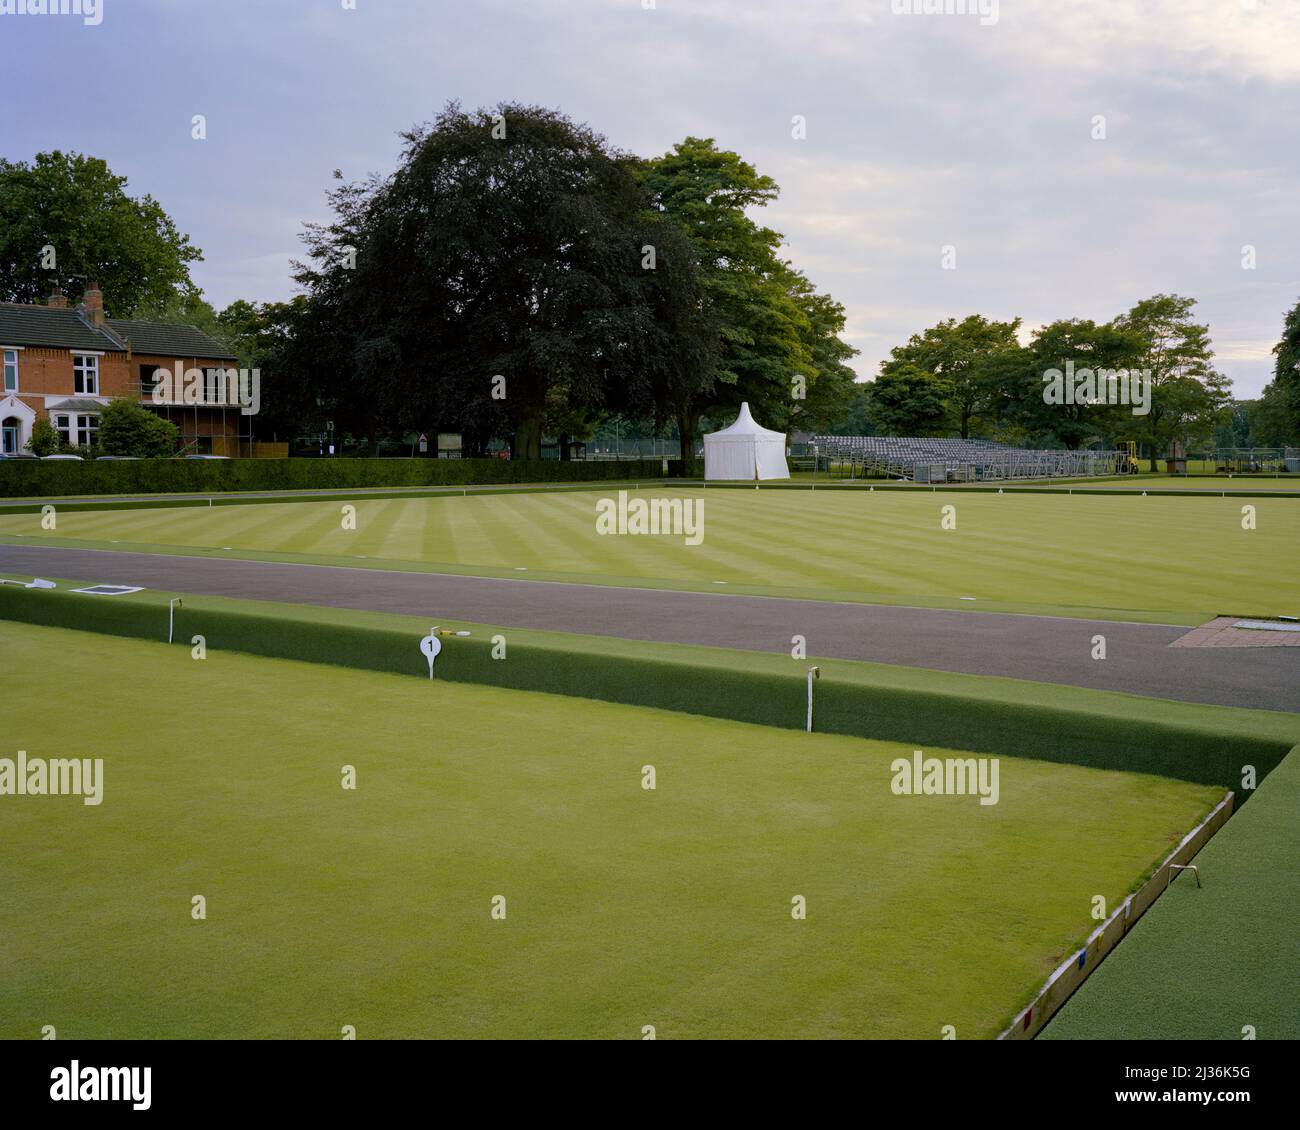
x=957, y=460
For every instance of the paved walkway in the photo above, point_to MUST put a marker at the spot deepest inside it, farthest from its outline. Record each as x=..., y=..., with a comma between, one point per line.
x=1045, y=649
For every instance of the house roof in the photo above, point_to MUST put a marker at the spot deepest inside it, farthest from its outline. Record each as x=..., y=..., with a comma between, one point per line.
x=68, y=328
x=48, y=325
x=76, y=404
x=173, y=340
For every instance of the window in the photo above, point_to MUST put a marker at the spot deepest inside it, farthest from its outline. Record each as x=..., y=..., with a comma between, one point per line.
x=63, y=425
x=11, y=370
x=85, y=374
x=87, y=430
x=148, y=380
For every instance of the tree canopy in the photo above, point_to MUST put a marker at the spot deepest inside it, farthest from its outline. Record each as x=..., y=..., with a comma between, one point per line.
x=67, y=219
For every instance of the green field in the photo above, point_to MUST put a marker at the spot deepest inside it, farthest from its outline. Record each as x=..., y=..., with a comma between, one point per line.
x=1244, y=483
x=1205, y=963
x=1173, y=560
x=625, y=907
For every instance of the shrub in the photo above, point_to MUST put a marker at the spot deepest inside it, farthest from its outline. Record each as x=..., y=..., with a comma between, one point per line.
x=29, y=478
x=125, y=428
x=45, y=438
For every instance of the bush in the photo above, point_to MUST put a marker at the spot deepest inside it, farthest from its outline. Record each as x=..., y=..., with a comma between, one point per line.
x=28, y=478
x=45, y=438
x=125, y=428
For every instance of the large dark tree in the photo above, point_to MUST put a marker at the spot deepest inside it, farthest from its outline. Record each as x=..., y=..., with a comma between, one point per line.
x=74, y=209
x=1277, y=417
x=501, y=283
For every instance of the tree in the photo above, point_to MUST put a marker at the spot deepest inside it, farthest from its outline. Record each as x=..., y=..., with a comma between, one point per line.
x=1277, y=417
x=74, y=208
x=495, y=283
x=854, y=418
x=966, y=355
x=183, y=308
x=125, y=428
x=1188, y=395
x=44, y=439
x=907, y=400
x=834, y=389
x=1084, y=345
x=763, y=308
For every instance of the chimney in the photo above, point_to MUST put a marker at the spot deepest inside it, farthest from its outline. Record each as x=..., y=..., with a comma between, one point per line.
x=92, y=304
x=57, y=299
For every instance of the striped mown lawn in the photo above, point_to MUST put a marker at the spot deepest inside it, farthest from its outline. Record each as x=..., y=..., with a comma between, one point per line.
x=625, y=907
x=1179, y=560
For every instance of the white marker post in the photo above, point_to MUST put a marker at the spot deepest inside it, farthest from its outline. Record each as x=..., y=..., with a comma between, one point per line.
x=813, y=673
x=431, y=645
x=171, y=616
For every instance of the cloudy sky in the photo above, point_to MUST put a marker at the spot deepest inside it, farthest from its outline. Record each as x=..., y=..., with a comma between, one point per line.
x=974, y=131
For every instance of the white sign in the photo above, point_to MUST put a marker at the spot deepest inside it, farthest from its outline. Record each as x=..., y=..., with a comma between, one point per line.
x=431, y=645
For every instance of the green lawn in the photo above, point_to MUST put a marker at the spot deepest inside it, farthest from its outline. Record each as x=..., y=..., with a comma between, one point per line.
x=1204, y=963
x=625, y=907
x=1175, y=560
x=1245, y=483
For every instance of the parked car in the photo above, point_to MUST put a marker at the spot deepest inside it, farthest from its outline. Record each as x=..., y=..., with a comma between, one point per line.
x=18, y=455
x=101, y=458
x=207, y=457
x=73, y=458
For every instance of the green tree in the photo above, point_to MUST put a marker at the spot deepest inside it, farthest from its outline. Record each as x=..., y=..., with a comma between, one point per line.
x=125, y=428
x=968, y=357
x=770, y=331
x=75, y=207
x=907, y=400
x=183, y=308
x=1188, y=395
x=1277, y=416
x=832, y=392
x=1088, y=346
x=45, y=438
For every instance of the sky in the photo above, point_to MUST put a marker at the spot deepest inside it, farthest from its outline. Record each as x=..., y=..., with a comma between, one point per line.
x=970, y=135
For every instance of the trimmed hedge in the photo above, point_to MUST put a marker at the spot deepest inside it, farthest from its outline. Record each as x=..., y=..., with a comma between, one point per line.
x=1060, y=724
x=21, y=478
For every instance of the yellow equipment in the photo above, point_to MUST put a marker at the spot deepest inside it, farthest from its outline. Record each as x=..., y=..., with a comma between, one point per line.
x=1127, y=463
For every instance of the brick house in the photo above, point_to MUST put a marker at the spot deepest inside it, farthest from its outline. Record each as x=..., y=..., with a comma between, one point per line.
x=65, y=363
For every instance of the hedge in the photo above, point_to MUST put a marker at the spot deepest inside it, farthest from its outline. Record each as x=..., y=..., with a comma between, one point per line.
x=1207, y=745
x=23, y=478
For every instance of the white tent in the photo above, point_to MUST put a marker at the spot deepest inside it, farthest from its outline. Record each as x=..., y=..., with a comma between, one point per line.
x=745, y=450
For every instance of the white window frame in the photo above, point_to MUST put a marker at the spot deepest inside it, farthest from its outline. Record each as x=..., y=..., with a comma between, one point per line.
x=84, y=430
x=65, y=429
x=83, y=365
x=5, y=354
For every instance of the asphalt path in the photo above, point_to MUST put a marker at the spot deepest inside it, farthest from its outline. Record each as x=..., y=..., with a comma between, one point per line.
x=1048, y=649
